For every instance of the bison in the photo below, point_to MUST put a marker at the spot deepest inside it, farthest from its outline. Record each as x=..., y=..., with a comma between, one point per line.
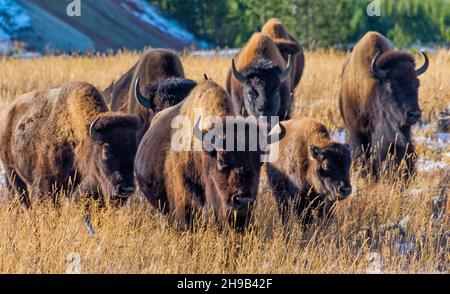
x=287, y=45
x=259, y=79
x=183, y=182
x=64, y=138
x=311, y=171
x=156, y=81
x=379, y=102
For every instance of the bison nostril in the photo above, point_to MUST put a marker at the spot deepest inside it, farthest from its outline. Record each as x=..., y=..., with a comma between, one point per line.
x=345, y=190
x=414, y=114
x=126, y=190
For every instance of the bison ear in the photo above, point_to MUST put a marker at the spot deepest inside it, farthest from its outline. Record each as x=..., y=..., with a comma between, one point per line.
x=287, y=47
x=316, y=153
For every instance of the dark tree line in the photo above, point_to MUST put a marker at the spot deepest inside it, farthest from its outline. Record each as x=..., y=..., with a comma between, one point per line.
x=316, y=23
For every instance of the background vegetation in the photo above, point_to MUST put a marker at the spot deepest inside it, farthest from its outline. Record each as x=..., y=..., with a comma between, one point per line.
x=316, y=23
x=363, y=237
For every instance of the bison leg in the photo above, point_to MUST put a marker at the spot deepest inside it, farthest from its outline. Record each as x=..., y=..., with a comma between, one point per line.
x=360, y=145
x=18, y=185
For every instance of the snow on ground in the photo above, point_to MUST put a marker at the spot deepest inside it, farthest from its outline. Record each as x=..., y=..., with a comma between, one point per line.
x=149, y=14
x=13, y=19
x=428, y=165
x=215, y=53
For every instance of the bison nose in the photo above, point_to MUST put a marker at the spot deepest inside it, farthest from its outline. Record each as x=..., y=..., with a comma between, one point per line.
x=125, y=191
x=242, y=202
x=413, y=116
x=345, y=190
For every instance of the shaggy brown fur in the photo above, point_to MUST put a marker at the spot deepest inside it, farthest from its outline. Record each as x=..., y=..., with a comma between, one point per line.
x=298, y=174
x=184, y=182
x=260, y=62
x=45, y=143
x=375, y=111
x=155, y=65
x=287, y=46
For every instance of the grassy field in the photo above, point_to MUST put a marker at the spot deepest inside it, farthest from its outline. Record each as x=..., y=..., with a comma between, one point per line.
x=383, y=227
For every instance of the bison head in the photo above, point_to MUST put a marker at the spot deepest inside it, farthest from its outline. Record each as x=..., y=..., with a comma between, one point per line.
x=114, y=138
x=163, y=94
x=330, y=167
x=230, y=177
x=398, y=86
x=261, y=86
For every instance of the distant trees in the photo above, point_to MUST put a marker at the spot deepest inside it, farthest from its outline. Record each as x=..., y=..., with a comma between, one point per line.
x=316, y=23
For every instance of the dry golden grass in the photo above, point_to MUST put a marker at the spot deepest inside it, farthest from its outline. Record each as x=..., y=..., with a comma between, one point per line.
x=136, y=239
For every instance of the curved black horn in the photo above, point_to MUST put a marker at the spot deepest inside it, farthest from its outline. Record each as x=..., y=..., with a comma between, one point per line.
x=198, y=132
x=424, y=67
x=93, y=131
x=144, y=101
x=377, y=73
x=284, y=75
x=206, y=77
x=237, y=74
x=274, y=138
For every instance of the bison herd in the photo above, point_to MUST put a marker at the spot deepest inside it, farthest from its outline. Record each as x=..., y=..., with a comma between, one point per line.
x=109, y=144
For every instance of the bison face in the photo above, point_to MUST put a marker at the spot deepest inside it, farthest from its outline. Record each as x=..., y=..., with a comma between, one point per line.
x=163, y=94
x=234, y=180
x=261, y=86
x=331, y=171
x=115, y=145
x=399, y=87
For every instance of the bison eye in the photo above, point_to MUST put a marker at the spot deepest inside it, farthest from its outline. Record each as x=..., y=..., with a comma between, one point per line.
x=326, y=167
x=221, y=165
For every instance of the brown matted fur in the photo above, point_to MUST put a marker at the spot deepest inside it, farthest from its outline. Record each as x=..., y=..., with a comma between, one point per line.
x=298, y=175
x=377, y=111
x=45, y=142
x=287, y=45
x=179, y=182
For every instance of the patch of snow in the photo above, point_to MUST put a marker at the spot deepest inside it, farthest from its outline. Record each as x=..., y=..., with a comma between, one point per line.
x=215, y=53
x=339, y=136
x=428, y=165
x=13, y=19
x=149, y=14
x=437, y=141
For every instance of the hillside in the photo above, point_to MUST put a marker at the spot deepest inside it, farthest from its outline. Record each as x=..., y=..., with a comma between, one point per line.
x=44, y=26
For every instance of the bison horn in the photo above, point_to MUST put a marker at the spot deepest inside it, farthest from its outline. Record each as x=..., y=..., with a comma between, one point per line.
x=424, y=67
x=206, y=77
x=377, y=73
x=198, y=132
x=93, y=131
x=284, y=75
x=277, y=137
x=144, y=101
x=237, y=74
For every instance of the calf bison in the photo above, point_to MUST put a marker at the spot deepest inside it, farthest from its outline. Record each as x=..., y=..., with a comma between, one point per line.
x=183, y=182
x=65, y=137
x=259, y=79
x=379, y=103
x=311, y=171
x=159, y=75
x=287, y=46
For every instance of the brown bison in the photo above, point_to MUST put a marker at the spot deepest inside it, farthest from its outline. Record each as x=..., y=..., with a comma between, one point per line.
x=259, y=79
x=311, y=171
x=287, y=46
x=182, y=182
x=156, y=81
x=66, y=137
x=379, y=101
